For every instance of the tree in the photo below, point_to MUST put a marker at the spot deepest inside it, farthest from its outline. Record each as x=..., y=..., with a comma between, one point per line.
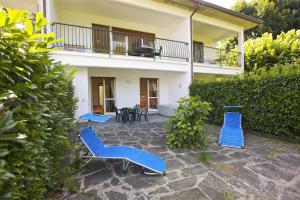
x=277, y=15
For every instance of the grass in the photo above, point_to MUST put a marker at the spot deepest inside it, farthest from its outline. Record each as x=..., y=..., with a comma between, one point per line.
x=228, y=196
x=272, y=154
x=205, y=158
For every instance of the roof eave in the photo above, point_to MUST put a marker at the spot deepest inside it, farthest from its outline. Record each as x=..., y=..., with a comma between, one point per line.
x=228, y=11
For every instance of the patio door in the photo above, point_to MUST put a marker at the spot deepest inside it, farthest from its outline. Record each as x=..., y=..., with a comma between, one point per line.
x=103, y=95
x=100, y=38
x=149, y=93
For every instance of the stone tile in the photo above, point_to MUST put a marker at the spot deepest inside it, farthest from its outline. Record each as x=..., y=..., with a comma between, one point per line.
x=294, y=187
x=113, y=195
x=161, y=190
x=118, y=168
x=290, y=159
x=159, y=149
x=270, y=190
x=166, y=155
x=189, y=158
x=114, y=181
x=93, y=166
x=265, y=169
x=272, y=172
x=174, y=164
x=193, y=194
x=143, y=182
x=97, y=177
x=217, y=188
x=239, y=155
x=217, y=158
x=193, y=171
x=182, y=184
x=261, y=150
x=171, y=176
x=243, y=186
x=243, y=174
x=289, y=196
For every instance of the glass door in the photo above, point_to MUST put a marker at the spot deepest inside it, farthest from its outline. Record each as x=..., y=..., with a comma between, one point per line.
x=97, y=95
x=149, y=93
x=109, y=94
x=153, y=93
x=103, y=95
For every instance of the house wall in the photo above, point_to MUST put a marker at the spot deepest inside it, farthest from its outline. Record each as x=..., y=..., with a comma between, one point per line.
x=81, y=83
x=172, y=86
x=174, y=31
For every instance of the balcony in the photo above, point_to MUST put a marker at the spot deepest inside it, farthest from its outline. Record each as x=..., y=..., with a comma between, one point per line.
x=105, y=40
x=215, y=56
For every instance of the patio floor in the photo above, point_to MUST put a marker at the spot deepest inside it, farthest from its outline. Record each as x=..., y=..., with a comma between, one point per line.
x=266, y=169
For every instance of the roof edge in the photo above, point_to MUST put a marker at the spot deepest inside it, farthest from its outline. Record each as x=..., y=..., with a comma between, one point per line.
x=228, y=11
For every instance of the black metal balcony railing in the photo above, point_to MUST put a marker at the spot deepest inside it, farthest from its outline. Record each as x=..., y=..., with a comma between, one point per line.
x=215, y=56
x=98, y=40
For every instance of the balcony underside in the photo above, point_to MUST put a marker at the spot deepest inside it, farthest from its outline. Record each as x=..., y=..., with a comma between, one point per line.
x=86, y=59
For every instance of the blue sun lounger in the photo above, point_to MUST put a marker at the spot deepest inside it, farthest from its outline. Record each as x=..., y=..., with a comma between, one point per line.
x=96, y=118
x=231, y=134
x=128, y=154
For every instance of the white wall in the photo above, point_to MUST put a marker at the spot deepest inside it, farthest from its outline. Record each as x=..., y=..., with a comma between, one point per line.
x=86, y=19
x=81, y=83
x=172, y=85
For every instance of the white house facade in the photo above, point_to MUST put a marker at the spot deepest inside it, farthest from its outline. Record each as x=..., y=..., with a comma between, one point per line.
x=145, y=52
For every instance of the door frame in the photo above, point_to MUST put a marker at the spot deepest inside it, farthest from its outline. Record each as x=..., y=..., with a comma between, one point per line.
x=148, y=91
x=104, y=98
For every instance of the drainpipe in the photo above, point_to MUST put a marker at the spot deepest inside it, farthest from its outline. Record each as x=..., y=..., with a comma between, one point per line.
x=191, y=41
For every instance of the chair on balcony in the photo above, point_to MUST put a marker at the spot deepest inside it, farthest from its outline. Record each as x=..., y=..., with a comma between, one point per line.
x=135, y=49
x=158, y=53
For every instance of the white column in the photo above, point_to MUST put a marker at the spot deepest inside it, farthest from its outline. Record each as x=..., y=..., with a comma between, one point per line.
x=82, y=90
x=241, y=48
x=110, y=41
x=190, y=52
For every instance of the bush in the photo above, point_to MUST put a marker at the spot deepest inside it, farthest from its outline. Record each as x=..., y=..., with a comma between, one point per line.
x=36, y=108
x=185, y=128
x=270, y=99
x=266, y=52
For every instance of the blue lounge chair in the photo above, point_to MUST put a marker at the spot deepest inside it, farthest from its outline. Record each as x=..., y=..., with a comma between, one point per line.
x=96, y=118
x=231, y=134
x=127, y=154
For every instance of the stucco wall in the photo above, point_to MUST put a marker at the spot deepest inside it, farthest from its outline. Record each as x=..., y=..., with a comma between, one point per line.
x=172, y=85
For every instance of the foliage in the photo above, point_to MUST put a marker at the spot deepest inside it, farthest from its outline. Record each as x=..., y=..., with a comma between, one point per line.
x=267, y=52
x=185, y=128
x=36, y=108
x=277, y=15
x=270, y=99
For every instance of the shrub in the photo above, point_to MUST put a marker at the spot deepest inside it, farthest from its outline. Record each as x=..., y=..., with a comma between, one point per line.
x=36, y=108
x=185, y=128
x=270, y=99
x=266, y=52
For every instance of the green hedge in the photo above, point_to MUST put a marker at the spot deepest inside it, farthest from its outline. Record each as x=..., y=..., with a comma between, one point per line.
x=36, y=108
x=270, y=99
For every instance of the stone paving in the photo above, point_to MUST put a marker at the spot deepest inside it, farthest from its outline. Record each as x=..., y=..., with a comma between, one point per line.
x=266, y=169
